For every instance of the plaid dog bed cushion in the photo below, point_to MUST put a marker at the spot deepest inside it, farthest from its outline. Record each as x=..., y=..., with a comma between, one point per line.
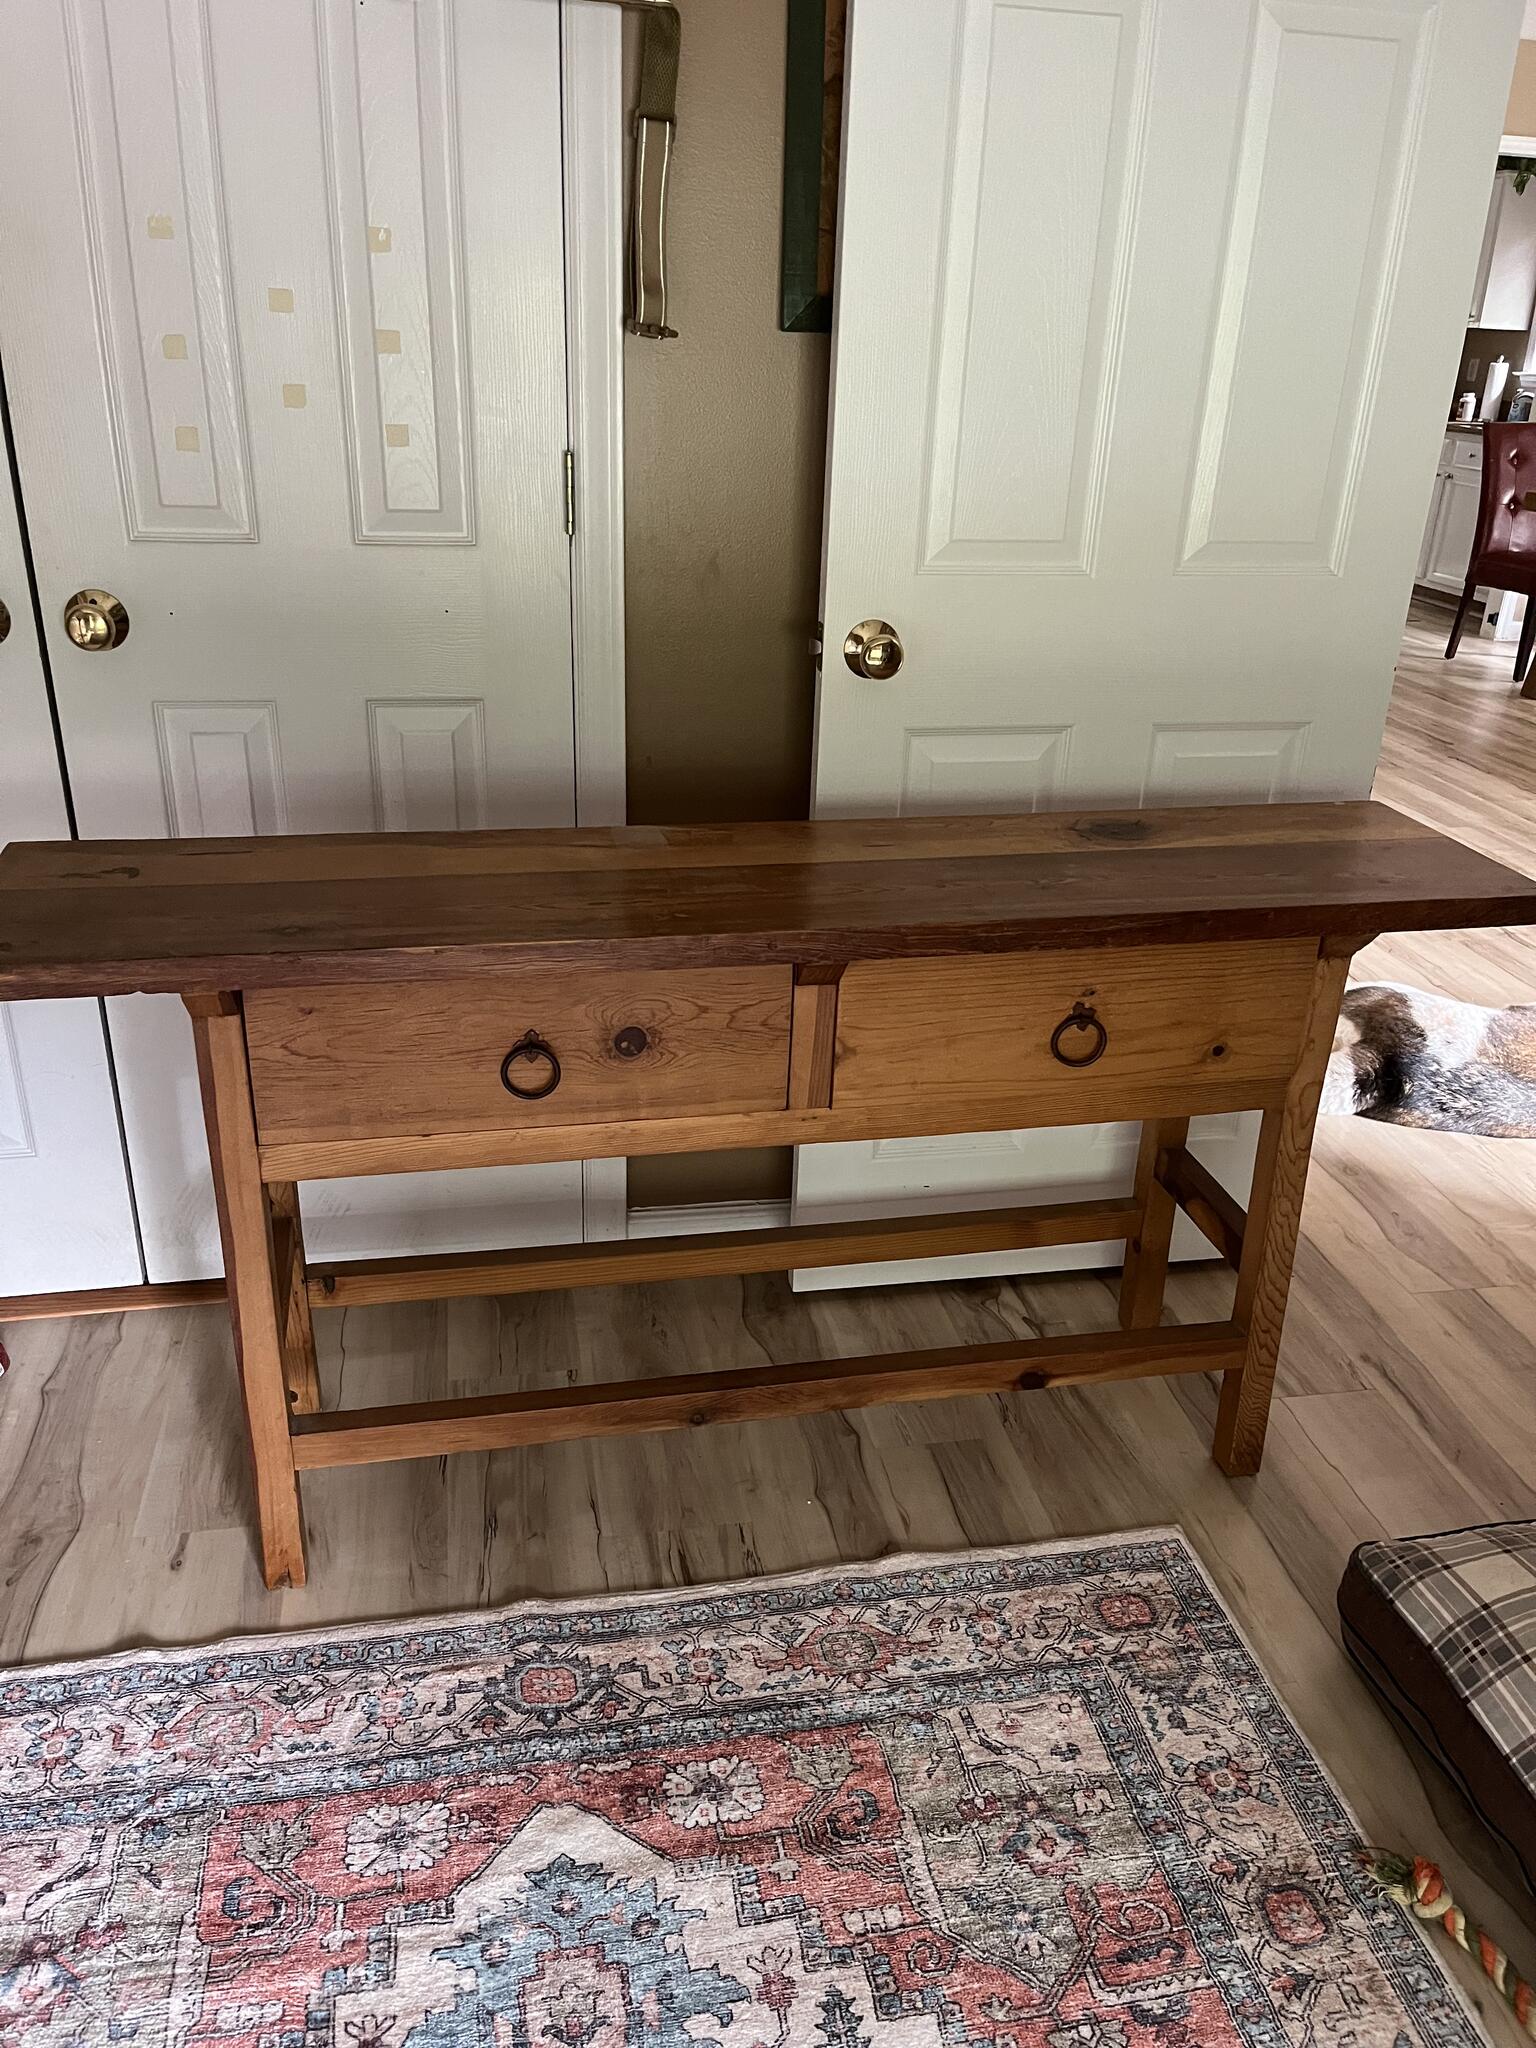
x=1444, y=1627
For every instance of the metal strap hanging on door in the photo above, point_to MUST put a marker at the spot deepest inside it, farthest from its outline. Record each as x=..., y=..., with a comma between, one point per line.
x=655, y=125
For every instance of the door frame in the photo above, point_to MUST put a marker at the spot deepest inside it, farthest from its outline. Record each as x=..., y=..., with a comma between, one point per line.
x=592, y=102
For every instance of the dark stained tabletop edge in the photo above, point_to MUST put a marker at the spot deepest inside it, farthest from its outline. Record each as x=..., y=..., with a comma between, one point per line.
x=954, y=836
x=160, y=934
x=176, y=974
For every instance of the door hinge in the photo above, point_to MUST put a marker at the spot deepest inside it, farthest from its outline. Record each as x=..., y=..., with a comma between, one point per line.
x=569, y=461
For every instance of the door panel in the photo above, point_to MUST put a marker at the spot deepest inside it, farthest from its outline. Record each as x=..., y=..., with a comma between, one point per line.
x=1138, y=476
x=289, y=379
x=68, y=1220
x=1450, y=548
x=1431, y=520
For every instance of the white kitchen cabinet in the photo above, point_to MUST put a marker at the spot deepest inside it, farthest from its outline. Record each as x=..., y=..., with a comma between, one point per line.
x=1431, y=521
x=1450, y=547
x=1504, y=293
x=1452, y=523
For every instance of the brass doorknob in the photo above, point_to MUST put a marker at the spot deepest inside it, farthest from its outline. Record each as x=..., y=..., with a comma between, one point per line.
x=873, y=650
x=95, y=620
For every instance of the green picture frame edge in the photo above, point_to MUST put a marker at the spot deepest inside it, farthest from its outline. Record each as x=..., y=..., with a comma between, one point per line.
x=802, y=308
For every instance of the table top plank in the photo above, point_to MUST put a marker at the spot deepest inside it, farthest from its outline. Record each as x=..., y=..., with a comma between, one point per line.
x=112, y=917
x=363, y=856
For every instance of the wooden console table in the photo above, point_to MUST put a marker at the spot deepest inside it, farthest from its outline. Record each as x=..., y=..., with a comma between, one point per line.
x=382, y=1004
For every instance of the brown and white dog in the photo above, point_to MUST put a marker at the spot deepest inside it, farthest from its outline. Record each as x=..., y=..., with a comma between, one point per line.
x=1403, y=1057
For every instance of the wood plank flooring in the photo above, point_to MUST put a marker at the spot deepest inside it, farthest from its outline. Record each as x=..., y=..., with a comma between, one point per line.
x=1404, y=1401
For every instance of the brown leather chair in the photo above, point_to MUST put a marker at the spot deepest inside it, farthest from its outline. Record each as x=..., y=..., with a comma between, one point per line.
x=1504, y=546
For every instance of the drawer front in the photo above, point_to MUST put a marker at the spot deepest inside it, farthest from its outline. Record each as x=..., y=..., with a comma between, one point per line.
x=1466, y=453
x=403, y=1059
x=982, y=1027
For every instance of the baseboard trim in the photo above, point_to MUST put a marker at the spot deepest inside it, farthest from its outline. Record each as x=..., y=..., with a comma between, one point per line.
x=676, y=1220
x=110, y=1301
x=687, y=1219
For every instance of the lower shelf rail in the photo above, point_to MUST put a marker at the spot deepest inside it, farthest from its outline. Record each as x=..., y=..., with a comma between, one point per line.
x=429, y=1429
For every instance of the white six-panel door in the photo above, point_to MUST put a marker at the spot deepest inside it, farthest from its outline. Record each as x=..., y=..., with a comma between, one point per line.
x=66, y=1219
x=284, y=327
x=1146, y=312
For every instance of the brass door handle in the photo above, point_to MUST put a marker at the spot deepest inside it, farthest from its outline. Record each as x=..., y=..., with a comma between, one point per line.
x=96, y=621
x=873, y=650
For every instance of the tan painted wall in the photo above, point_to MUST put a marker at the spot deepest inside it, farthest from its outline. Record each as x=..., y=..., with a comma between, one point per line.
x=1520, y=119
x=724, y=436
x=724, y=429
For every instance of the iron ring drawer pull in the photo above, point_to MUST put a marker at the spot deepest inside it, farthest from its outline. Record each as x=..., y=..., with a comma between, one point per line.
x=531, y=1047
x=1084, y=1018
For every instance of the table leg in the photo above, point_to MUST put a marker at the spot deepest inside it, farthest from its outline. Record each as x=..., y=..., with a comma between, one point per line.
x=1274, y=1219
x=298, y=1331
x=1145, y=1271
x=250, y=1270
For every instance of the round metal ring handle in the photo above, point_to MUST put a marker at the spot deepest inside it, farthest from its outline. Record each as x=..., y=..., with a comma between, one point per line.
x=1086, y=1021
x=531, y=1047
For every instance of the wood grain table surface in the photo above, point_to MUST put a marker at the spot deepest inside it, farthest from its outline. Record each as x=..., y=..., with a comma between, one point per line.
x=116, y=917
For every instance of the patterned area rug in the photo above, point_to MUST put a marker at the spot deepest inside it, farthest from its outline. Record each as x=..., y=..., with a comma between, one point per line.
x=1038, y=1799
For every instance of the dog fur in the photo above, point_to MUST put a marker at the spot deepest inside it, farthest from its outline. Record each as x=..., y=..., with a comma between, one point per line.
x=1401, y=1056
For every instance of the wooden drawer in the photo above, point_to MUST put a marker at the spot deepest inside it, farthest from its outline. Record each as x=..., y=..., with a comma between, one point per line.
x=404, y=1059
x=980, y=1027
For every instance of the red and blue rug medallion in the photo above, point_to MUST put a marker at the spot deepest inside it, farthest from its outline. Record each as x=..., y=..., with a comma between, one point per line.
x=1036, y=1799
